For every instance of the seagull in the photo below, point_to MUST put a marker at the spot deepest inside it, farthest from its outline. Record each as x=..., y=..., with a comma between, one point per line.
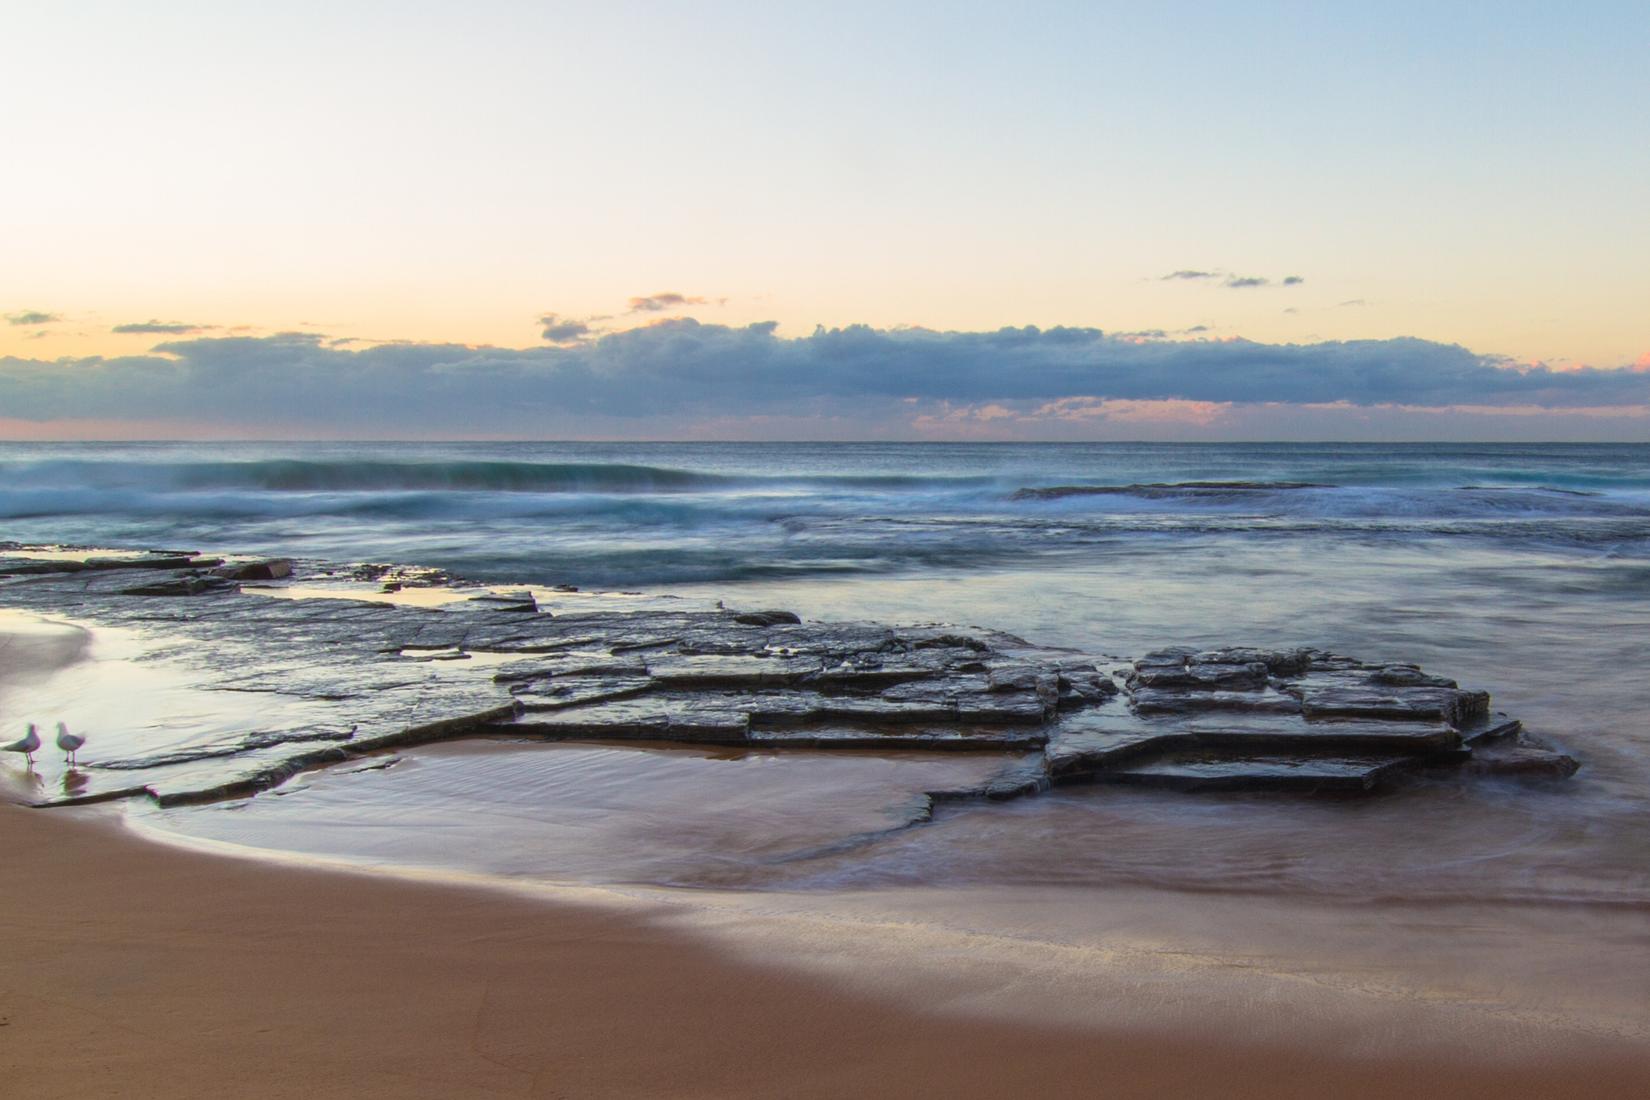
x=27, y=745
x=69, y=742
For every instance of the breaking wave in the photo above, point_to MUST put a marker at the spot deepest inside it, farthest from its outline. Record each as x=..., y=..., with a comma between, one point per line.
x=663, y=513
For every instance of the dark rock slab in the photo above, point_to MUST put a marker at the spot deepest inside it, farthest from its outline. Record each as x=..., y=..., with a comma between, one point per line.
x=1356, y=735
x=1377, y=701
x=272, y=569
x=1490, y=727
x=892, y=739
x=574, y=666
x=1204, y=677
x=869, y=674
x=561, y=694
x=1524, y=762
x=1206, y=772
x=689, y=671
x=766, y=618
x=511, y=603
x=1149, y=700
x=1075, y=754
x=876, y=709
x=28, y=567
x=532, y=644
x=647, y=719
x=1079, y=686
x=1024, y=708
x=1408, y=676
x=186, y=585
x=1020, y=776
x=1278, y=662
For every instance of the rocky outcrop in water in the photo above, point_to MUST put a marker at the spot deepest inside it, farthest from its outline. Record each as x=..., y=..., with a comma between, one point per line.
x=341, y=678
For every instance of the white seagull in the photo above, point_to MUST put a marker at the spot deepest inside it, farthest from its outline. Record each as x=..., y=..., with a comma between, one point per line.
x=27, y=745
x=69, y=742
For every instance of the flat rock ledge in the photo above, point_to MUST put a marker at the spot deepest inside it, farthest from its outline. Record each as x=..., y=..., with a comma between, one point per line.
x=337, y=679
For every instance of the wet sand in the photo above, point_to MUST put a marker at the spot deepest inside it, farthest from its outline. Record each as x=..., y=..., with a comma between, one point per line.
x=137, y=970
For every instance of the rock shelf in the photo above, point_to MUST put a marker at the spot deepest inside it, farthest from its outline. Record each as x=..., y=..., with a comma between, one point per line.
x=337, y=678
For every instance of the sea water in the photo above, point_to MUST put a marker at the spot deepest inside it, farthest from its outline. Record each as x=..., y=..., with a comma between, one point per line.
x=1521, y=569
x=667, y=514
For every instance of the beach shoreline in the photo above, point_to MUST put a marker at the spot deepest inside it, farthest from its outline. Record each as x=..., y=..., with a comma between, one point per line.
x=143, y=969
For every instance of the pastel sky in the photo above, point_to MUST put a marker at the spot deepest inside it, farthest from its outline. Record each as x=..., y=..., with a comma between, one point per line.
x=1252, y=220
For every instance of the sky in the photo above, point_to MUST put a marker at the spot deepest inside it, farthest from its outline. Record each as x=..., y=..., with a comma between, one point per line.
x=890, y=220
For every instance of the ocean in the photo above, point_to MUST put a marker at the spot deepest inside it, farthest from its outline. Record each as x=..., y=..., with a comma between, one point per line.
x=1521, y=569
x=667, y=514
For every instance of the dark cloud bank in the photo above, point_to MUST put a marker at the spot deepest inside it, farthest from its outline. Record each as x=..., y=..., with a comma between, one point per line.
x=666, y=379
x=668, y=299
x=564, y=330
x=32, y=317
x=160, y=328
x=1230, y=281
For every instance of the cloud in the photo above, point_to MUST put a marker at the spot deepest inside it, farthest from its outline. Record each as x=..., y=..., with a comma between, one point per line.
x=160, y=328
x=674, y=378
x=1228, y=279
x=1140, y=336
x=32, y=317
x=1133, y=411
x=564, y=330
x=669, y=299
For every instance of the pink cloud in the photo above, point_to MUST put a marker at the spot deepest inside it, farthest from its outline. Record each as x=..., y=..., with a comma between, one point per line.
x=1641, y=365
x=1132, y=411
x=999, y=420
x=1634, y=412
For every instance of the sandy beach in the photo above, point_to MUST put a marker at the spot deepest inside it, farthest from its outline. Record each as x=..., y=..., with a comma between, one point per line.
x=137, y=969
